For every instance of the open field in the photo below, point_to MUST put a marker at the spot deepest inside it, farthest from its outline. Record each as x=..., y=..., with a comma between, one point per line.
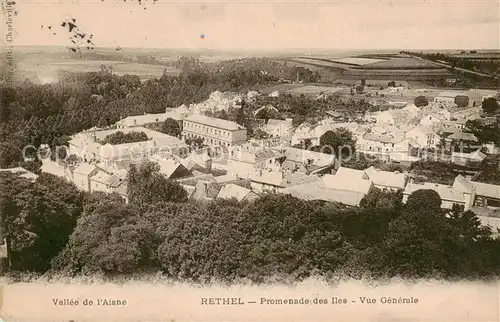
x=314, y=90
x=46, y=70
x=400, y=63
x=358, y=61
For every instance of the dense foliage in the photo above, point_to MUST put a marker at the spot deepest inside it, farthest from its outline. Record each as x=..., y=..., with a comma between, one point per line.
x=421, y=101
x=485, y=133
x=277, y=236
x=490, y=105
x=339, y=142
x=122, y=138
x=171, y=127
x=146, y=185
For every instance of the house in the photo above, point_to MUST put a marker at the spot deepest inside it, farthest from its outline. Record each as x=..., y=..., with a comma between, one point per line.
x=431, y=121
x=205, y=190
x=332, y=188
x=482, y=195
x=234, y=191
x=448, y=98
x=82, y=174
x=172, y=169
x=200, y=160
x=21, y=172
x=412, y=110
x=87, y=145
x=454, y=126
x=276, y=181
x=392, y=117
x=377, y=144
x=102, y=181
x=386, y=179
x=449, y=195
x=335, y=116
x=388, y=147
x=148, y=119
x=472, y=159
x=425, y=137
x=309, y=162
x=278, y=128
x=267, y=107
x=463, y=141
x=57, y=168
x=242, y=163
x=213, y=131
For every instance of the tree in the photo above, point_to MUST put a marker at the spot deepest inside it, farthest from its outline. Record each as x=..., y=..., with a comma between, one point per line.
x=241, y=117
x=171, y=127
x=223, y=115
x=194, y=142
x=339, y=142
x=109, y=238
x=490, y=105
x=122, y=138
x=420, y=242
x=147, y=186
x=382, y=199
x=38, y=218
x=421, y=101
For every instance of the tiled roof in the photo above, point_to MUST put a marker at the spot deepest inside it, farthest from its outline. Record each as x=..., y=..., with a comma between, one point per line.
x=319, y=191
x=386, y=178
x=487, y=190
x=445, y=192
x=463, y=136
x=451, y=94
x=381, y=138
x=233, y=191
x=168, y=166
x=302, y=156
x=191, y=181
x=84, y=169
x=102, y=177
x=476, y=155
x=214, y=122
x=350, y=181
x=205, y=190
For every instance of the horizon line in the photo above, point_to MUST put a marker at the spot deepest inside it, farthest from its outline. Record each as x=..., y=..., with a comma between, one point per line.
x=269, y=49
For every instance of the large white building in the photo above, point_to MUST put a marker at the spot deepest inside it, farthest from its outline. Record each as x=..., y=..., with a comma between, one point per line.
x=87, y=145
x=213, y=131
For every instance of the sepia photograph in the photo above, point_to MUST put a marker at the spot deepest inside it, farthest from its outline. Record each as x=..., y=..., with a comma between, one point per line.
x=249, y=160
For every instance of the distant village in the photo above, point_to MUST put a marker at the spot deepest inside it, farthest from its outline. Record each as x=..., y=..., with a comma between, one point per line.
x=229, y=164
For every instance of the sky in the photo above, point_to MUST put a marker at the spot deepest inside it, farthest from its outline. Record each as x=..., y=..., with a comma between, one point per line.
x=259, y=25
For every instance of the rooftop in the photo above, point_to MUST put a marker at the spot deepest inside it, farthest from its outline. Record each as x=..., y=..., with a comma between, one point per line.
x=317, y=190
x=233, y=191
x=463, y=137
x=21, y=172
x=446, y=192
x=303, y=156
x=214, y=122
x=386, y=178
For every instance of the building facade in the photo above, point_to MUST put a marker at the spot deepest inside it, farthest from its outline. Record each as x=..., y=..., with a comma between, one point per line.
x=213, y=131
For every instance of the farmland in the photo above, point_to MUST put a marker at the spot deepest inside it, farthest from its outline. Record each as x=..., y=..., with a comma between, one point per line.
x=44, y=71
